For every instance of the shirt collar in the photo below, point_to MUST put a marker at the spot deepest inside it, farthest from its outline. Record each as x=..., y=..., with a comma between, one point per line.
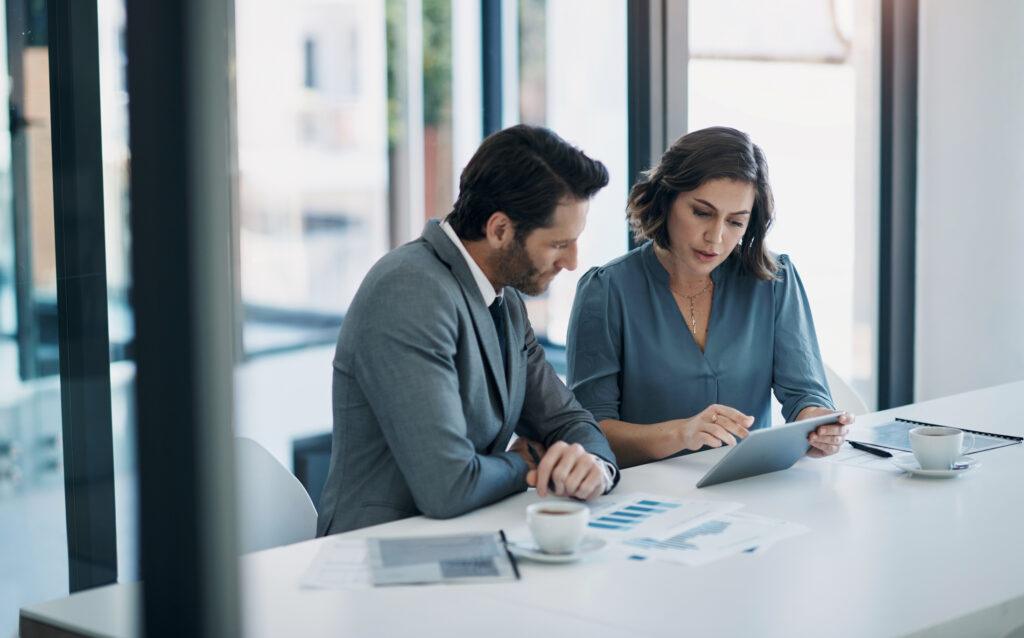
x=483, y=283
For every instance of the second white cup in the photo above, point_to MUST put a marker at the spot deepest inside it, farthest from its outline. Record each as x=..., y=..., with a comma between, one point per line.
x=557, y=526
x=936, y=447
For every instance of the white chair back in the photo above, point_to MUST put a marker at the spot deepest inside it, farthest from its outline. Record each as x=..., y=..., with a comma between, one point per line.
x=843, y=394
x=273, y=507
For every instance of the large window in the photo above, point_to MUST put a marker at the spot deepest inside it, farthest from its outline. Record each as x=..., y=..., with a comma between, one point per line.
x=572, y=70
x=801, y=79
x=312, y=163
x=33, y=536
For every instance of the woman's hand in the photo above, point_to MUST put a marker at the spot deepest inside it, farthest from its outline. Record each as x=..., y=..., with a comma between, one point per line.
x=827, y=439
x=717, y=425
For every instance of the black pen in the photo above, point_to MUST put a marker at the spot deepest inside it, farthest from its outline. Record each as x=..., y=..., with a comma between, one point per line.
x=511, y=556
x=536, y=461
x=533, y=454
x=870, y=450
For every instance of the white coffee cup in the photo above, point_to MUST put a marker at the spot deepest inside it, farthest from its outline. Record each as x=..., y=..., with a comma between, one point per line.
x=557, y=526
x=936, y=447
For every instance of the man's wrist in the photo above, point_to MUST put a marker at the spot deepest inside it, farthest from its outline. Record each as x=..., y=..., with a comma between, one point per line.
x=608, y=472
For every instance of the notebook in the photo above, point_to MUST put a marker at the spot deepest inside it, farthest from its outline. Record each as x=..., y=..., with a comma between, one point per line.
x=462, y=558
x=894, y=435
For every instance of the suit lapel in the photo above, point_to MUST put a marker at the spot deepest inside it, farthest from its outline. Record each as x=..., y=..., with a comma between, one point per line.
x=486, y=335
x=514, y=339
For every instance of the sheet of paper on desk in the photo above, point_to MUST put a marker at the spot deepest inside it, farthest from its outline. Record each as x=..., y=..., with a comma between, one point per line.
x=617, y=516
x=714, y=538
x=864, y=460
x=341, y=563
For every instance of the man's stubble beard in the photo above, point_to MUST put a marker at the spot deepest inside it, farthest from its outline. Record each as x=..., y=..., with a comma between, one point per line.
x=515, y=268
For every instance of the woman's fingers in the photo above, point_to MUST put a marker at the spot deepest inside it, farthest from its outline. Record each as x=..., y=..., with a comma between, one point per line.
x=717, y=425
x=731, y=413
x=739, y=429
x=821, y=448
x=833, y=435
x=732, y=421
x=720, y=433
x=708, y=440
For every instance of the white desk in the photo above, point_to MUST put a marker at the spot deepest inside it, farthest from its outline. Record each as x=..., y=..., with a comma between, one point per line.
x=887, y=555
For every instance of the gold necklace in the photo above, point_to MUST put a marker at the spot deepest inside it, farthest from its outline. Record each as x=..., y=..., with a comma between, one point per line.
x=692, y=299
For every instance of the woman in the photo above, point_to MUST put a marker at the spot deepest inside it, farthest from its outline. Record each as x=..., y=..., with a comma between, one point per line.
x=677, y=344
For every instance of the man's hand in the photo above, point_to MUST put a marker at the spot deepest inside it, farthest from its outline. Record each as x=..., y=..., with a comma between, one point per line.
x=827, y=439
x=571, y=471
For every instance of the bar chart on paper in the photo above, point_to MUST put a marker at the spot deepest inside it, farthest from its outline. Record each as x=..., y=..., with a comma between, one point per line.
x=627, y=517
x=688, y=532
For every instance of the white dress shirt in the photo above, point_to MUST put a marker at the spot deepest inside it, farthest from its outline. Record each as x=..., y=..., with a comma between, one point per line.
x=488, y=294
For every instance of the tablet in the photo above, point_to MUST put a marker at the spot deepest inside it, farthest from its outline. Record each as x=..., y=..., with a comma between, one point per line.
x=767, y=450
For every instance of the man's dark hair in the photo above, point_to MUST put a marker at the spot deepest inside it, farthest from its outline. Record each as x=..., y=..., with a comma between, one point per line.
x=711, y=153
x=525, y=172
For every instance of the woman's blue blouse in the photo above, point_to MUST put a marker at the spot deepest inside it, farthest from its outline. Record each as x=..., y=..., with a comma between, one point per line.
x=632, y=358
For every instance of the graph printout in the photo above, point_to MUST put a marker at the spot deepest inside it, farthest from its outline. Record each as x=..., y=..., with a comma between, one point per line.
x=708, y=540
x=620, y=516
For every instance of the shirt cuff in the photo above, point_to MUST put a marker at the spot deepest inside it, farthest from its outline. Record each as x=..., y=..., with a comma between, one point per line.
x=608, y=472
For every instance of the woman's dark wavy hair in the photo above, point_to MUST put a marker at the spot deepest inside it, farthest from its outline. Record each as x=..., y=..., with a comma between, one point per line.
x=695, y=158
x=525, y=172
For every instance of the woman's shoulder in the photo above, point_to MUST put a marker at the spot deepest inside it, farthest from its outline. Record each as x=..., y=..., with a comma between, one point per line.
x=784, y=270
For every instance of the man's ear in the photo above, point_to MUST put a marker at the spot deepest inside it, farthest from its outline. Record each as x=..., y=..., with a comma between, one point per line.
x=499, y=230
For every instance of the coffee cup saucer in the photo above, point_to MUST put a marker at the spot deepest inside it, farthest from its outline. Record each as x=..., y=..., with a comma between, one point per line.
x=530, y=551
x=908, y=463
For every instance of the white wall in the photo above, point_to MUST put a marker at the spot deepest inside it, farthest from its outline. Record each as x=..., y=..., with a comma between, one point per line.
x=970, y=190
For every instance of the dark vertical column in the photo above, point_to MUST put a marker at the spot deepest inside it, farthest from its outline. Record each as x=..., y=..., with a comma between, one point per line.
x=898, y=203
x=82, y=293
x=179, y=105
x=491, y=50
x=638, y=86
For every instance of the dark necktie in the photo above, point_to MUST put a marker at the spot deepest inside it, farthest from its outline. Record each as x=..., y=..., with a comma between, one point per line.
x=498, y=317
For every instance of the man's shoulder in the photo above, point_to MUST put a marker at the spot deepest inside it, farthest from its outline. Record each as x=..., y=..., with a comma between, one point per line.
x=408, y=285
x=414, y=265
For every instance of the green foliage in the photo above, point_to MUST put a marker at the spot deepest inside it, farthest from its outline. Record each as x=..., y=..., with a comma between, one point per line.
x=437, y=64
x=437, y=61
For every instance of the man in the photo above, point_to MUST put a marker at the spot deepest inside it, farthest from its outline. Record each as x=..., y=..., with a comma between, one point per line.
x=437, y=363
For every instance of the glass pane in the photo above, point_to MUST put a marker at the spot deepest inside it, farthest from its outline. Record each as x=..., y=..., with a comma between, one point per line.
x=33, y=536
x=572, y=69
x=313, y=198
x=114, y=122
x=801, y=79
x=312, y=164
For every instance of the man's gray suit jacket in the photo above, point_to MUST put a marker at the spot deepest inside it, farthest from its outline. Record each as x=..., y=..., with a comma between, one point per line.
x=423, y=410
